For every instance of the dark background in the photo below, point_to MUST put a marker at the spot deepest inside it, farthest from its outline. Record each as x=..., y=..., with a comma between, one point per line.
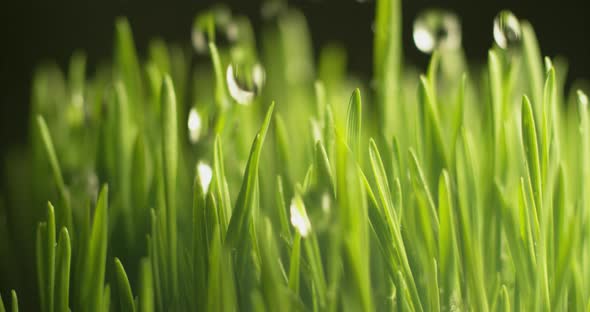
x=36, y=31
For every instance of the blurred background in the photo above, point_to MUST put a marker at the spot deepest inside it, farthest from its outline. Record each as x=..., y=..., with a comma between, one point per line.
x=32, y=32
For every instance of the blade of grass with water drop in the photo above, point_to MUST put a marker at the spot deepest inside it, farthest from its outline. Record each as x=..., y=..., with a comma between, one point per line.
x=125, y=294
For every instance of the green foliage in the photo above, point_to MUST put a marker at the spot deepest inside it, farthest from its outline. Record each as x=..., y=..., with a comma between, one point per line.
x=433, y=192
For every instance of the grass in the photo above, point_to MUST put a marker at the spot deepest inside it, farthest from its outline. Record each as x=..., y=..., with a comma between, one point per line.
x=464, y=188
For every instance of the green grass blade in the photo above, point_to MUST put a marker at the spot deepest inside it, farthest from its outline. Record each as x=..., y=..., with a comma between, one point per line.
x=239, y=222
x=382, y=184
x=2, y=308
x=41, y=257
x=128, y=64
x=531, y=147
x=50, y=283
x=294, y=265
x=353, y=123
x=146, y=282
x=14, y=301
x=62, y=271
x=92, y=295
x=533, y=65
x=170, y=166
x=387, y=64
x=220, y=186
x=421, y=184
x=125, y=294
x=66, y=215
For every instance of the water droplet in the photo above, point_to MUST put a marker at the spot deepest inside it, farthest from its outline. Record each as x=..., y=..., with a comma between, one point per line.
x=326, y=202
x=582, y=98
x=437, y=29
x=205, y=175
x=299, y=218
x=194, y=125
x=244, y=81
x=218, y=23
x=507, y=32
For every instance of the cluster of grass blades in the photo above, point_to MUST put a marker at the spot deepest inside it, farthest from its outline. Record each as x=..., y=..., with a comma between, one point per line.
x=465, y=188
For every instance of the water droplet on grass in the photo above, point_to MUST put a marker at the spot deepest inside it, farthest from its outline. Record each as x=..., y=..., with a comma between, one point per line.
x=194, y=125
x=326, y=202
x=437, y=29
x=244, y=81
x=205, y=174
x=507, y=32
x=299, y=218
x=214, y=25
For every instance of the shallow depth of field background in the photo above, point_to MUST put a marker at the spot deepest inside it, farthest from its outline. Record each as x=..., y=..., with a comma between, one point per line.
x=32, y=32
x=35, y=31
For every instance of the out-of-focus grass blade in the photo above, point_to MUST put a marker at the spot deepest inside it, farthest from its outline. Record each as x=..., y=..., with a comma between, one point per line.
x=387, y=60
x=549, y=116
x=239, y=222
x=382, y=184
x=170, y=166
x=125, y=294
x=531, y=147
x=434, y=288
x=221, y=294
x=533, y=65
x=433, y=131
x=294, y=265
x=128, y=64
x=220, y=186
x=41, y=257
x=322, y=168
x=62, y=273
x=421, y=184
x=220, y=92
x=353, y=123
x=282, y=210
x=14, y=302
x=50, y=282
x=66, y=215
x=94, y=265
x=146, y=295
x=447, y=236
x=2, y=308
